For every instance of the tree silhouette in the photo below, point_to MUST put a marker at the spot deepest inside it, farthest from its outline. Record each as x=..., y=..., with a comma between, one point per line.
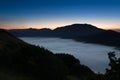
x=114, y=72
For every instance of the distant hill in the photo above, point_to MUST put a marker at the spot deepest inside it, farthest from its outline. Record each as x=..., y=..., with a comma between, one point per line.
x=78, y=32
x=31, y=32
x=108, y=37
x=22, y=61
x=70, y=31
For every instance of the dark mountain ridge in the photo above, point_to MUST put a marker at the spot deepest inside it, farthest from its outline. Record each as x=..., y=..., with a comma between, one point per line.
x=30, y=32
x=78, y=32
x=70, y=31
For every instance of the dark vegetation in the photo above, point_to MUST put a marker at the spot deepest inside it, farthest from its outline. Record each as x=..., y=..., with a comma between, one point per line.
x=74, y=67
x=114, y=70
x=112, y=73
x=79, y=32
x=22, y=61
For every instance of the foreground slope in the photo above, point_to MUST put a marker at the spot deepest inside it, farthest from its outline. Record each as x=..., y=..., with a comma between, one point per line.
x=22, y=61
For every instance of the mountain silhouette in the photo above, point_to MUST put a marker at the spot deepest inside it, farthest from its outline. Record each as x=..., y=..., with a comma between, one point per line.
x=31, y=32
x=70, y=31
x=108, y=37
x=78, y=32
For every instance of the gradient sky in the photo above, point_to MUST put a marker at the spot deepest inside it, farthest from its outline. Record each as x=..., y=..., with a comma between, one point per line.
x=55, y=13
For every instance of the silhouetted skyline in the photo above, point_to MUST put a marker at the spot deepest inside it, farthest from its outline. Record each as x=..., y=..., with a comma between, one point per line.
x=55, y=13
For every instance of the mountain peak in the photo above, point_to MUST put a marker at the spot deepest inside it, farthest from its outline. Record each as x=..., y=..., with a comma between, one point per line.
x=85, y=24
x=79, y=26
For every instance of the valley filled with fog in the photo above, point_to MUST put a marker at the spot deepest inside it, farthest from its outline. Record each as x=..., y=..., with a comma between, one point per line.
x=93, y=55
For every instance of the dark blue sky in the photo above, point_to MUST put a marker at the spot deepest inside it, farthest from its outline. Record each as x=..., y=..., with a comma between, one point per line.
x=55, y=13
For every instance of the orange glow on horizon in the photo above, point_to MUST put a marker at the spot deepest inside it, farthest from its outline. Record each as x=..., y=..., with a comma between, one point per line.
x=53, y=26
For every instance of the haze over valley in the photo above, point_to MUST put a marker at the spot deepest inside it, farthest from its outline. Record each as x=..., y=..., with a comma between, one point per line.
x=92, y=55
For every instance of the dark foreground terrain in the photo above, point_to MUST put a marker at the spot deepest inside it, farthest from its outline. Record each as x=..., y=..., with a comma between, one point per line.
x=22, y=61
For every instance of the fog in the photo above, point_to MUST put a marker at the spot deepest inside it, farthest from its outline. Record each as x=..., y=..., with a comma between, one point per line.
x=93, y=55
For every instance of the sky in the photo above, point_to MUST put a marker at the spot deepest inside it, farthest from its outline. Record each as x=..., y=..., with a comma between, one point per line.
x=18, y=14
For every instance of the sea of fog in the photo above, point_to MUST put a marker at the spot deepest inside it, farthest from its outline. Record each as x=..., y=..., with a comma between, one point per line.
x=93, y=55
